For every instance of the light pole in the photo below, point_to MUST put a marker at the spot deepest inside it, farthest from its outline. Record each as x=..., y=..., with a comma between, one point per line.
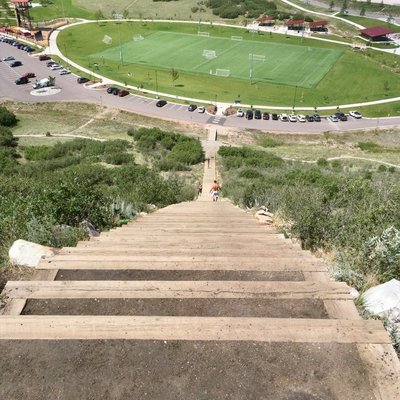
x=294, y=97
x=121, y=57
x=156, y=84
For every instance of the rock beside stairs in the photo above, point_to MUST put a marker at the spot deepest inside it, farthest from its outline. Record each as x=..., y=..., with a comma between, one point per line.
x=28, y=254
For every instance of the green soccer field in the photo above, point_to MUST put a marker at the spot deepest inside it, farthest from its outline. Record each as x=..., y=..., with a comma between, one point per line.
x=290, y=64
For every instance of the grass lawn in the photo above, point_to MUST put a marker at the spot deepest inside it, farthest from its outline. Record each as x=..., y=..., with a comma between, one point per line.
x=59, y=9
x=369, y=22
x=148, y=64
x=273, y=62
x=137, y=9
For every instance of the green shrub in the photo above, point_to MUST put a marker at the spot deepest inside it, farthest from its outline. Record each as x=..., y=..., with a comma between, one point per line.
x=250, y=173
x=119, y=158
x=370, y=147
x=322, y=162
x=7, y=118
x=270, y=142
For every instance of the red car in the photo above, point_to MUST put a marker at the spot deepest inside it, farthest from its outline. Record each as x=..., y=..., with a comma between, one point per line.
x=44, y=57
x=29, y=75
x=123, y=93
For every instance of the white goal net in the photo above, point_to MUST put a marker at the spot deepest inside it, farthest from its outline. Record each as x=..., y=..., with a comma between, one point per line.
x=222, y=72
x=137, y=38
x=204, y=34
x=209, y=54
x=107, y=39
x=256, y=57
x=238, y=38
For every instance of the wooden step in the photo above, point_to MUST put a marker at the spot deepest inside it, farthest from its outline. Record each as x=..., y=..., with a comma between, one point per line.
x=278, y=264
x=175, y=289
x=134, y=250
x=192, y=328
x=198, y=237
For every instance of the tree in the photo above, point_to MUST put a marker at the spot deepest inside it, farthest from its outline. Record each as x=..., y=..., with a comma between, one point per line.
x=343, y=10
x=7, y=118
x=125, y=14
x=174, y=75
x=362, y=11
x=331, y=5
x=99, y=15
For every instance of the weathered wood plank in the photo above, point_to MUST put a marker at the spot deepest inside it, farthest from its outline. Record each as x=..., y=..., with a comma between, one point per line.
x=191, y=328
x=176, y=289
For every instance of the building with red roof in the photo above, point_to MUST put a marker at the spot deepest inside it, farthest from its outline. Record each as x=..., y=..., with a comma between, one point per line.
x=265, y=21
x=376, y=33
x=318, y=26
x=295, y=24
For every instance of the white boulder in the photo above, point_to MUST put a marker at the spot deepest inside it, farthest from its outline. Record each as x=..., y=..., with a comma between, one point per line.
x=28, y=254
x=384, y=300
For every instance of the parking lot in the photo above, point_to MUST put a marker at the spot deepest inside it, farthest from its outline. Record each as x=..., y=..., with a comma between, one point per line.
x=70, y=90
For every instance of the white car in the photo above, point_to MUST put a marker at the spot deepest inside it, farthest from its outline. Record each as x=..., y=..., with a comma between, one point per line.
x=334, y=118
x=55, y=66
x=240, y=113
x=201, y=109
x=64, y=72
x=355, y=114
x=301, y=118
x=283, y=117
x=8, y=58
x=292, y=117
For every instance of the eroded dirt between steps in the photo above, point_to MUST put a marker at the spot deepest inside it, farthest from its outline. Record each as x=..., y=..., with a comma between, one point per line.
x=175, y=370
x=175, y=275
x=269, y=308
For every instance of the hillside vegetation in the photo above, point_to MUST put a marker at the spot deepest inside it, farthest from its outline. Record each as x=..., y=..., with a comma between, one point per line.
x=352, y=214
x=47, y=191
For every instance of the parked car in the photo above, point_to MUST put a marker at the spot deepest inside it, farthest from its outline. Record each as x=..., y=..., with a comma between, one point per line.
x=28, y=75
x=341, y=116
x=123, y=93
x=309, y=118
x=110, y=89
x=355, y=114
x=334, y=118
x=116, y=91
x=283, y=117
x=161, y=103
x=317, y=118
x=292, y=117
x=301, y=118
x=201, y=110
x=16, y=64
x=240, y=113
x=22, y=80
x=274, y=117
x=249, y=114
x=8, y=58
x=50, y=63
x=55, y=67
x=265, y=115
x=257, y=114
x=44, y=57
x=82, y=79
x=65, y=72
x=192, y=107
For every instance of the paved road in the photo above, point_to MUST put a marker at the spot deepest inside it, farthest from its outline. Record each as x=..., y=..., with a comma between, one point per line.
x=71, y=91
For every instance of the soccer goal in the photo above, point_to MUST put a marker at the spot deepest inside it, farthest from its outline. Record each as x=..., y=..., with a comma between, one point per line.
x=107, y=39
x=238, y=38
x=256, y=57
x=209, y=54
x=222, y=72
x=137, y=38
x=204, y=34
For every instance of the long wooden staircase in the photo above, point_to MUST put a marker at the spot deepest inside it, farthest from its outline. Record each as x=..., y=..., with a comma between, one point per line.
x=195, y=301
